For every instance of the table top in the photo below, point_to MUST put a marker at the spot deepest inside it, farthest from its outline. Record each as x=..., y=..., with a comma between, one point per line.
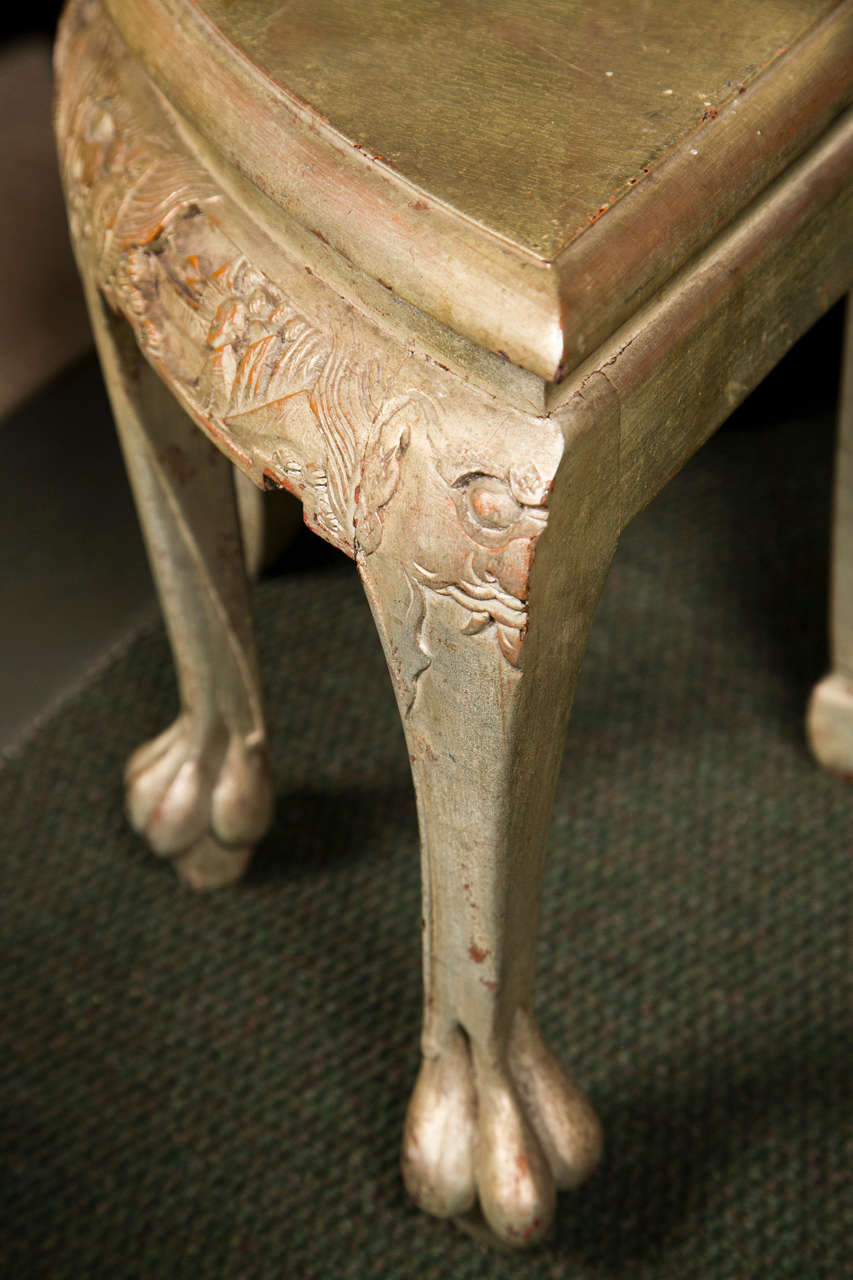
x=466, y=154
x=524, y=115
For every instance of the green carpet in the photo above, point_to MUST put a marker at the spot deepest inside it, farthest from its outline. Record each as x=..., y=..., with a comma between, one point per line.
x=215, y=1086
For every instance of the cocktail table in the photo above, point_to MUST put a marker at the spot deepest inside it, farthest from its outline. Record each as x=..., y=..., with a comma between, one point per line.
x=473, y=282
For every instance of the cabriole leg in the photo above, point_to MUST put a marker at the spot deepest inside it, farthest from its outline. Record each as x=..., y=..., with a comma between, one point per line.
x=484, y=647
x=200, y=793
x=830, y=713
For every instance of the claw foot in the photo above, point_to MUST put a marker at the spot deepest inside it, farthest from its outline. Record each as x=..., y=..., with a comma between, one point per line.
x=507, y=1134
x=202, y=799
x=829, y=724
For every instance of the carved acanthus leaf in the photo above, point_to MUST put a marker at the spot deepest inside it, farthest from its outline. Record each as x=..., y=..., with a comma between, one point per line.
x=380, y=474
x=487, y=605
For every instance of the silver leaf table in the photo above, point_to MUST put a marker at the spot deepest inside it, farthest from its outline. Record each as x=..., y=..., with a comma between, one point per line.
x=473, y=282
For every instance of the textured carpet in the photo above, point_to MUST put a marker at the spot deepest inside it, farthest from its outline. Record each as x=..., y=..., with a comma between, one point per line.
x=215, y=1086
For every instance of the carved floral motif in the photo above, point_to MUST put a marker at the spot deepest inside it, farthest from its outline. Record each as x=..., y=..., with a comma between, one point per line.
x=495, y=515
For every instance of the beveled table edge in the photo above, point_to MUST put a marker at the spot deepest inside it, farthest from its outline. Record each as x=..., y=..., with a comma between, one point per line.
x=680, y=205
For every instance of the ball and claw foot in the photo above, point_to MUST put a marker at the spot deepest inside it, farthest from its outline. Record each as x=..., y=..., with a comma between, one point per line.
x=201, y=799
x=829, y=724
x=505, y=1135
